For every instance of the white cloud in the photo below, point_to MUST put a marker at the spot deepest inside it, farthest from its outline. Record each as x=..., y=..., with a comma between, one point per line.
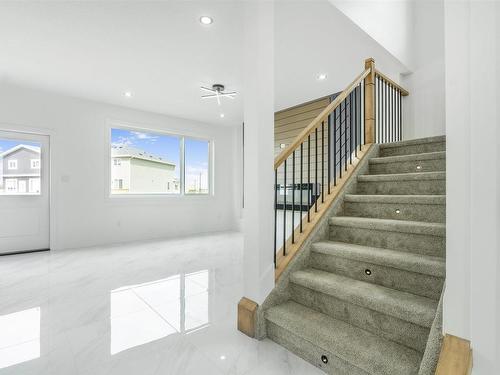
x=141, y=135
x=123, y=141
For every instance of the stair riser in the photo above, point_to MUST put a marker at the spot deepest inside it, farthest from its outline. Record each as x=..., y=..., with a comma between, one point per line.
x=431, y=165
x=388, y=327
x=410, y=242
x=419, y=284
x=431, y=213
x=310, y=352
x=418, y=187
x=413, y=149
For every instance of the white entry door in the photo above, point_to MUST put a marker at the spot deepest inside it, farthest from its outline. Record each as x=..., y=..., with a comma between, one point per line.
x=24, y=192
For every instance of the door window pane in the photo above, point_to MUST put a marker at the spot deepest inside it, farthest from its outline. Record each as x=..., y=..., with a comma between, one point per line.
x=20, y=167
x=144, y=163
x=196, y=160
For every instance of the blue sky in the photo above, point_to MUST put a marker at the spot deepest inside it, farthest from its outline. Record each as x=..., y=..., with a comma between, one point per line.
x=167, y=147
x=5, y=144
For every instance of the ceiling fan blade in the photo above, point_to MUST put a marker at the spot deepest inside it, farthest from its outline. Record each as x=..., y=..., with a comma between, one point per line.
x=218, y=97
x=209, y=96
x=227, y=95
x=207, y=89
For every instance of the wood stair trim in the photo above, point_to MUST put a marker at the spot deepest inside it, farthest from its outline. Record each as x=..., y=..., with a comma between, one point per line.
x=455, y=357
x=282, y=261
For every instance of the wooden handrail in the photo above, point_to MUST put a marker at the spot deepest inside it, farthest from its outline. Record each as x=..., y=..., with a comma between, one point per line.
x=317, y=121
x=392, y=83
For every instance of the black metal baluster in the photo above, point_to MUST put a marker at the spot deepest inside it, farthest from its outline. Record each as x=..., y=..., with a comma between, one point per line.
x=385, y=113
x=355, y=123
x=392, y=115
x=284, y=211
x=350, y=128
x=340, y=140
x=389, y=112
x=361, y=133
x=322, y=162
x=275, y=213
x=329, y=128
x=335, y=147
x=316, y=195
x=308, y=178
x=379, y=117
x=301, y=175
x=362, y=103
x=345, y=135
x=400, y=116
x=293, y=196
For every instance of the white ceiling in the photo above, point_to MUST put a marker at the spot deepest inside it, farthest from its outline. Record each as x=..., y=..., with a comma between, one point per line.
x=315, y=37
x=160, y=52
x=99, y=50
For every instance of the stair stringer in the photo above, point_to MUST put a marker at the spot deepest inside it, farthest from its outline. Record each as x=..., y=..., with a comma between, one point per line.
x=434, y=342
x=281, y=291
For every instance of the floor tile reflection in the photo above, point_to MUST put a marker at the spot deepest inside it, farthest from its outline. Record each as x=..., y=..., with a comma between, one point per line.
x=152, y=308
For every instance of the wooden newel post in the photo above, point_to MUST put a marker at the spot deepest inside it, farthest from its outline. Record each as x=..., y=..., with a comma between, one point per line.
x=370, y=102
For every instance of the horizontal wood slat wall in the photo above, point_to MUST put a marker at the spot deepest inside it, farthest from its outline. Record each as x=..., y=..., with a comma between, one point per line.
x=288, y=124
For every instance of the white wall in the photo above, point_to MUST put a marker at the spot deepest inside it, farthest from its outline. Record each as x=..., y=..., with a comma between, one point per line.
x=315, y=37
x=389, y=22
x=425, y=106
x=413, y=32
x=472, y=294
x=258, y=214
x=83, y=213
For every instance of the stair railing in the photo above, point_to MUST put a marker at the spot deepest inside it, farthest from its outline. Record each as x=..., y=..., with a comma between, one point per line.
x=308, y=171
x=389, y=109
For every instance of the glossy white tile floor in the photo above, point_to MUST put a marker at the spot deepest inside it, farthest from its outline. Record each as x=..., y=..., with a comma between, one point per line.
x=155, y=308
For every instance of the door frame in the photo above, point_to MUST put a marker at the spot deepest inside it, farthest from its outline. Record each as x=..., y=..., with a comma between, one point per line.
x=49, y=133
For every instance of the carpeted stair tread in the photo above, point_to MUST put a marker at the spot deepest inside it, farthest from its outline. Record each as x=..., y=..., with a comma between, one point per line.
x=402, y=305
x=395, y=177
x=401, y=226
x=409, y=158
x=389, y=198
x=373, y=354
x=413, y=142
x=423, y=264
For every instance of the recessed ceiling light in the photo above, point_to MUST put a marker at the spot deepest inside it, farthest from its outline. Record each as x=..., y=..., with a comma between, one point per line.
x=222, y=357
x=222, y=115
x=128, y=94
x=321, y=76
x=206, y=20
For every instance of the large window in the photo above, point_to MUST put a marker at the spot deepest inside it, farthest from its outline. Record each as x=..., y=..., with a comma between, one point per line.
x=20, y=167
x=144, y=162
x=196, y=171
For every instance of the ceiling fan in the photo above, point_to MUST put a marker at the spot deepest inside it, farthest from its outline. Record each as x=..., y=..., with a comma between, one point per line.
x=217, y=92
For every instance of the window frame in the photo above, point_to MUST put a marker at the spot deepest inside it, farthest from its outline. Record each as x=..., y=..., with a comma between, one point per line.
x=209, y=157
x=34, y=161
x=182, y=136
x=10, y=181
x=15, y=162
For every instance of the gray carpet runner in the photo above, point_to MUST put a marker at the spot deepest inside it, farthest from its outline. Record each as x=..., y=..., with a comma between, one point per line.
x=368, y=296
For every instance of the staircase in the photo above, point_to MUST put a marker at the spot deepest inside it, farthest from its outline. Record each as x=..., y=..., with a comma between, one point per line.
x=366, y=298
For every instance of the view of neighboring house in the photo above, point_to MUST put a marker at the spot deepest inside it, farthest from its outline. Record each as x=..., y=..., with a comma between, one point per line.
x=136, y=171
x=21, y=170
